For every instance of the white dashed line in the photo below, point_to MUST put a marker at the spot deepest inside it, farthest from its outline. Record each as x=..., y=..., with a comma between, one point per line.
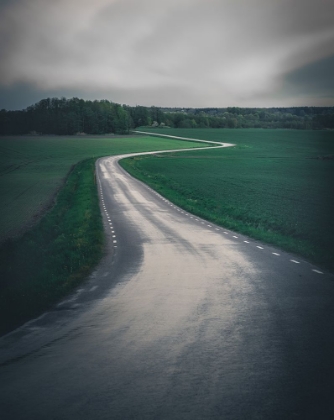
x=275, y=253
x=93, y=288
x=294, y=261
x=114, y=242
x=217, y=229
x=226, y=233
x=317, y=271
x=209, y=226
x=246, y=242
x=235, y=237
x=260, y=247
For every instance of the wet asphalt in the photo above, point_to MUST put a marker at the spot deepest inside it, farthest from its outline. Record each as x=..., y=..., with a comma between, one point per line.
x=182, y=319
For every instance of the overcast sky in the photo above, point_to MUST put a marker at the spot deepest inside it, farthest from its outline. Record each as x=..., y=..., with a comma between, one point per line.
x=191, y=53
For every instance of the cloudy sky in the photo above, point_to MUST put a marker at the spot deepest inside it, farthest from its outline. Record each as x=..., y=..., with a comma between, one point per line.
x=191, y=53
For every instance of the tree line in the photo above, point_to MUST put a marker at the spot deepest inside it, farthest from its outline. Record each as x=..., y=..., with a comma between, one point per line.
x=63, y=116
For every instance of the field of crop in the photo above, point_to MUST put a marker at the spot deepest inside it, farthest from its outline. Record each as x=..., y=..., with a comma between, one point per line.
x=275, y=185
x=32, y=169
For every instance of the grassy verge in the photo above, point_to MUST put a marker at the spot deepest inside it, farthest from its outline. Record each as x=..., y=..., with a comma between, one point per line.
x=48, y=261
x=275, y=186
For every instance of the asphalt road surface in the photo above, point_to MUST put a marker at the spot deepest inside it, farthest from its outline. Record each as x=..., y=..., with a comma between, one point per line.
x=182, y=319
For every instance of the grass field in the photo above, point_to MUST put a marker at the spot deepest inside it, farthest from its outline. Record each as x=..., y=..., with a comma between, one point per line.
x=275, y=185
x=32, y=169
x=47, y=261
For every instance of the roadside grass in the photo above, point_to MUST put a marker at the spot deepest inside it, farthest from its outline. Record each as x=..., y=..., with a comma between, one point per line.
x=59, y=251
x=52, y=258
x=275, y=185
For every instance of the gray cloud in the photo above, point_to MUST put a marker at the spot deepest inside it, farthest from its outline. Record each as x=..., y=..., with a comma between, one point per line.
x=314, y=80
x=175, y=52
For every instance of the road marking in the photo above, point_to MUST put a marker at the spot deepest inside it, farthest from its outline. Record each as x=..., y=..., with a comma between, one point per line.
x=217, y=229
x=317, y=271
x=209, y=226
x=235, y=237
x=226, y=233
x=93, y=288
x=260, y=247
x=191, y=217
x=294, y=261
x=246, y=242
x=114, y=236
x=197, y=220
x=114, y=242
x=275, y=253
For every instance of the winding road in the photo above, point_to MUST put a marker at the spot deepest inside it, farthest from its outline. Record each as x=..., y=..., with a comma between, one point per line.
x=182, y=319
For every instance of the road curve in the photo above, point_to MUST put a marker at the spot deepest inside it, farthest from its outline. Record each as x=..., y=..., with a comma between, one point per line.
x=181, y=320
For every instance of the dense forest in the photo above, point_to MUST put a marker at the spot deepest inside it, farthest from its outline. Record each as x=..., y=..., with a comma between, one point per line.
x=77, y=116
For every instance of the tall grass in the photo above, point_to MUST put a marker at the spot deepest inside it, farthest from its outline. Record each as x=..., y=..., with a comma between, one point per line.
x=48, y=261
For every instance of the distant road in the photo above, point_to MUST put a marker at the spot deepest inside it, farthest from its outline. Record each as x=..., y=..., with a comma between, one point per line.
x=182, y=319
x=184, y=138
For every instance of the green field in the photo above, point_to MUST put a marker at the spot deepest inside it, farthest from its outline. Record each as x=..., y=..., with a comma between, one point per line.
x=32, y=169
x=275, y=185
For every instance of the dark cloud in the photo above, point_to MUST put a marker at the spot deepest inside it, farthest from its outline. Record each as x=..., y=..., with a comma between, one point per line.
x=315, y=79
x=175, y=52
